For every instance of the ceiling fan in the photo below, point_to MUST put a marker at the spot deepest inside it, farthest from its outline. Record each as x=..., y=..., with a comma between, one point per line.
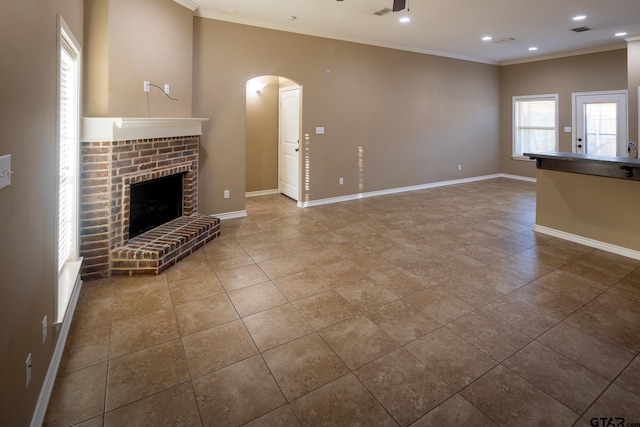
x=398, y=5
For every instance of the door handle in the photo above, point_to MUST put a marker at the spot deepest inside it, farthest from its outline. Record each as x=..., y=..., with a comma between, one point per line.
x=297, y=149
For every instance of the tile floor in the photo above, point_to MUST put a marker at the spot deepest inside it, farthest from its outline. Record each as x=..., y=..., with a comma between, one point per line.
x=435, y=307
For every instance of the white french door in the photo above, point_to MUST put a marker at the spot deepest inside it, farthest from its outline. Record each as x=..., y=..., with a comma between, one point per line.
x=600, y=123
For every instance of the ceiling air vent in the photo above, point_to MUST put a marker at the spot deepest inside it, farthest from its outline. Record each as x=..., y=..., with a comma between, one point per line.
x=580, y=29
x=382, y=11
x=505, y=40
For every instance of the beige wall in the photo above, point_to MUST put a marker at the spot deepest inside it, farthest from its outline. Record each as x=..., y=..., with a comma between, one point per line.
x=130, y=41
x=583, y=73
x=262, y=136
x=594, y=207
x=28, y=30
x=633, y=67
x=415, y=116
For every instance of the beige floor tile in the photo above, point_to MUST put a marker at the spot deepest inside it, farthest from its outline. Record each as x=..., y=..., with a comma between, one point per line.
x=317, y=258
x=301, y=285
x=469, y=288
x=195, y=288
x=508, y=399
x=237, y=394
x=176, y=405
x=147, y=299
x=520, y=316
x=303, y=365
x=454, y=360
x=403, y=322
x=204, y=313
x=254, y=240
x=549, y=301
x=340, y=273
x=267, y=252
x=325, y=309
x=139, y=332
x=403, y=385
x=277, y=326
x=358, y=341
x=85, y=347
x=342, y=402
x=366, y=294
x=194, y=265
x=431, y=271
x=586, y=349
x=628, y=288
x=146, y=372
x=563, y=379
x=630, y=377
x=220, y=263
x=493, y=337
x=217, y=347
x=77, y=396
x=95, y=315
x=439, y=305
x=255, y=298
x=598, y=273
x=618, y=402
x=399, y=281
x=455, y=412
x=612, y=318
x=281, y=417
x=579, y=289
x=241, y=277
x=280, y=267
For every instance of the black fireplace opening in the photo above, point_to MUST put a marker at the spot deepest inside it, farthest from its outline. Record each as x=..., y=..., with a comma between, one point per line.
x=155, y=202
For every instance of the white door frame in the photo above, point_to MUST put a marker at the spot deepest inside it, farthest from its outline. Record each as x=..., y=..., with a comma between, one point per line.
x=624, y=131
x=299, y=173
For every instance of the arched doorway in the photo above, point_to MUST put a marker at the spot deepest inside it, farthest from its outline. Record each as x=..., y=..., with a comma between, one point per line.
x=273, y=126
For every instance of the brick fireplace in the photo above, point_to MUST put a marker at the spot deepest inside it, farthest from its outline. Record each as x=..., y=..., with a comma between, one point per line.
x=116, y=153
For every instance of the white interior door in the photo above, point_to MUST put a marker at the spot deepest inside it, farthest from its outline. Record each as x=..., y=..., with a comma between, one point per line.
x=600, y=124
x=289, y=142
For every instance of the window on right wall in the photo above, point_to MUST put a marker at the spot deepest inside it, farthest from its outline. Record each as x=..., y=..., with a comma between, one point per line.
x=535, y=124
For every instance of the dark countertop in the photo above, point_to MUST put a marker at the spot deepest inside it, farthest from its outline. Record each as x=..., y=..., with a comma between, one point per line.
x=558, y=155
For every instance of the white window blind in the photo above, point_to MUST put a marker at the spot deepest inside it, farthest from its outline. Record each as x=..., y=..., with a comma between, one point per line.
x=68, y=149
x=534, y=124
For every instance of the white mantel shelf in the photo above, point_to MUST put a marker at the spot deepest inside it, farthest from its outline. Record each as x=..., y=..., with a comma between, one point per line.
x=96, y=129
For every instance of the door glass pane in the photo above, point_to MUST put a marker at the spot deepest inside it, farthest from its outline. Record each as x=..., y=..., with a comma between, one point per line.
x=601, y=127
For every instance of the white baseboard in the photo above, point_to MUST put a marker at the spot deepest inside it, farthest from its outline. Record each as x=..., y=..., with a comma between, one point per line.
x=261, y=193
x=518, y=177
x=409, y=188
x=607, y=247
x=231, y=215
x=47, y=387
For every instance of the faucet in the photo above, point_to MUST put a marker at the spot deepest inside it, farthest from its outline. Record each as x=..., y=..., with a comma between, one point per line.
x=635, y=149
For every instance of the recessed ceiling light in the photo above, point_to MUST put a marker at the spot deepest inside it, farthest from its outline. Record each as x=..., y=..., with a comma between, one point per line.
x=532, y=48
x=291, y=18
x=622, y=34
x=487, y=38
x=579, y=17
x=405, y=19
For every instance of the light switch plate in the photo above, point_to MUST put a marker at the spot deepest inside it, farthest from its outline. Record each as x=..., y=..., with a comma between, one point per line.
x=5, y=171
x=320, y=130
x=567, y=129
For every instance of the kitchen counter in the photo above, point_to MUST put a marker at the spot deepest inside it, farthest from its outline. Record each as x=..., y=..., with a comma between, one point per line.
x=612, y=167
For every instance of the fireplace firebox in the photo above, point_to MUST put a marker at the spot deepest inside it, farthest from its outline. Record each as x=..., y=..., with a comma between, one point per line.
x=154, y=202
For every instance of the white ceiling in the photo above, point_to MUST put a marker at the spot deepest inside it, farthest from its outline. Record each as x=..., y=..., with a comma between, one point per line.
x=451, y=28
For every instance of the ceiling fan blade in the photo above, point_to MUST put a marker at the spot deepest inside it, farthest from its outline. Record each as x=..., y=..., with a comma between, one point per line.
x=398, y=5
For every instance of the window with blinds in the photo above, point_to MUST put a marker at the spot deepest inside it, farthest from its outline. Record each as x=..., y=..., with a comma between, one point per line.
x=68, y=128
x=535, y=124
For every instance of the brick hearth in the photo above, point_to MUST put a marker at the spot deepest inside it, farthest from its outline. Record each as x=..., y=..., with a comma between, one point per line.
x=108, y=168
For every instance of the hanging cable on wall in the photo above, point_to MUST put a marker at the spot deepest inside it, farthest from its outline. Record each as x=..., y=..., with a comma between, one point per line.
x=164, y=90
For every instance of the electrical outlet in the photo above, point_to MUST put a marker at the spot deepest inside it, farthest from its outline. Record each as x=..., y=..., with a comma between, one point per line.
x=28, y=370
x=146, y=86
x=44, y=329
x=341, y=181
x=166, y=88
x=226, y=194
x=459, y=167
